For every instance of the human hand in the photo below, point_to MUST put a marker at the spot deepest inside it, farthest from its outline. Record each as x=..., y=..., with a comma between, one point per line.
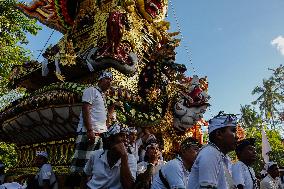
x=120, y=149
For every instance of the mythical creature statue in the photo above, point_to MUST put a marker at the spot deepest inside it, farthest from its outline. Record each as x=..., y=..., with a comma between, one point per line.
x=105, y=33
x=192, y=103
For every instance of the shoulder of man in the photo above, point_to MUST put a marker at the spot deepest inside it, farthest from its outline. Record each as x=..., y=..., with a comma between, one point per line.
x=172, y=164
x=91, y=89
x=207, y=152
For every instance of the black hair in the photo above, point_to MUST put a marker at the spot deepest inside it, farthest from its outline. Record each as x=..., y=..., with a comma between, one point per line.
x=244, y=143
x=212, y=135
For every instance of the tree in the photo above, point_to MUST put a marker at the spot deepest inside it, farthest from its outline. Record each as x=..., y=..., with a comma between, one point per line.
x=14, y=26
x=253, y=123
x=271, y=97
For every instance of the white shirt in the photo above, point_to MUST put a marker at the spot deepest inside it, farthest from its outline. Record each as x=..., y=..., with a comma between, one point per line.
x=12, y=185
x=102, y=175
x=210, y=168
x=95, y=97
x=175, y=173
x=134, y=148
x=142, y=167
x=269, y=183
x=242, y=174
x=46, y=173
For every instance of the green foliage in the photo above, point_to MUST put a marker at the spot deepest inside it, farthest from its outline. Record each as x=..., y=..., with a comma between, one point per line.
x=8, y=154
x=270, y=105
x=14, y=26
x=252, y=122
x=271, y=96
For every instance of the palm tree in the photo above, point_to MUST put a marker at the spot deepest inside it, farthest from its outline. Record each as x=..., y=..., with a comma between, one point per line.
x=270, y=99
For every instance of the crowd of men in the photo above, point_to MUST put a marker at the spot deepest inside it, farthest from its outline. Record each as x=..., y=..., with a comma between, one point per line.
x=109, y=155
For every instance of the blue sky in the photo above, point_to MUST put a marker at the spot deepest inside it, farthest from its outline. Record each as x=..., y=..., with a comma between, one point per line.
x=229, y=41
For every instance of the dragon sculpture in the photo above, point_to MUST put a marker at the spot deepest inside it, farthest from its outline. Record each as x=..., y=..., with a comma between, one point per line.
x=130, y=38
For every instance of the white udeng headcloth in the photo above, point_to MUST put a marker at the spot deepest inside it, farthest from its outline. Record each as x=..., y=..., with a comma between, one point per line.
x=222, y=120
x=42, y=153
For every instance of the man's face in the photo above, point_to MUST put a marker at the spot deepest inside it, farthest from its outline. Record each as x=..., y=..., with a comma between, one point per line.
x=105, y=83
x=249, y=154
x=39, y=161
x=132, y=138
x=121, y=137
x=229, y=138
x=190, y=154
x=153, y=152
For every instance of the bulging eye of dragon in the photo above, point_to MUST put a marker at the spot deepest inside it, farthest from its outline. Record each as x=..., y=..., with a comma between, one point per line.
x=151, y=9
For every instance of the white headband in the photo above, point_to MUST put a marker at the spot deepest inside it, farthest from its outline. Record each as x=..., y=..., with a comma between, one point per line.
x=105, y=75
x=42, y=153
x=222, y=120
x=113, y=130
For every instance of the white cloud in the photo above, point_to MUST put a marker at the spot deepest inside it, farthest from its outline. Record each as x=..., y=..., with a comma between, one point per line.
x=278, y=42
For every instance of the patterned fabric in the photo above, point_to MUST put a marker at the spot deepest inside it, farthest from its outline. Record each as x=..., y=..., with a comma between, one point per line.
x=188, y=143
x=113, y=130
x=42, y=153
x=105, y=75
x=83, y=151
x=132, y=130
x=222, y=120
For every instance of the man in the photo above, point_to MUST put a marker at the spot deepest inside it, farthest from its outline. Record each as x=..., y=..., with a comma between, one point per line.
x=147, y=169
x=134, y=143
x=271, y=180
x=243, y=174
x=45, y=178
x=112, y=167
x=174, y=175
x=93, y=122
x=212, y=166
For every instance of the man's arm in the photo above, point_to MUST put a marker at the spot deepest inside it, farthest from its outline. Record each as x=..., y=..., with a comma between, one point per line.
x=208, y=170
x=86, y=112
x=111, y=110
x=238, y=176
x=126, y=177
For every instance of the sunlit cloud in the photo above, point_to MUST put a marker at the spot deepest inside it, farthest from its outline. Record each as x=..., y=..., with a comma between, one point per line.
x=278, y=42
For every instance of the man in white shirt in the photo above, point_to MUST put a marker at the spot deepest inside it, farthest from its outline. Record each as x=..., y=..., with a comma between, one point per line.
x=149, y=168
x=45, y=177
x=271, y=181
x=174, y=175
x=93, y=122
x=243, y=174
x=112, y=167
x=134, y=143
x=212, y=167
